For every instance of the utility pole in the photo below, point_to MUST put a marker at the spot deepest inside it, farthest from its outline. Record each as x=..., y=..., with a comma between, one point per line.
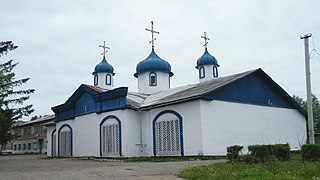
x=309, y=95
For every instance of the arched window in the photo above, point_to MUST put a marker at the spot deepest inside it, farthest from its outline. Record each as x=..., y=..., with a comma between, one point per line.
x=110, y=136
x=215, y=71
x=153, y=79
x=108, y=79
x=201, y=72
x=95, y=80
x=167, y=134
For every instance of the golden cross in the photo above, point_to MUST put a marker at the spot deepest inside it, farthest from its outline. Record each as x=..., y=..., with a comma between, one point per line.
x=104, y=48
x=205, y=39
x=152, y=32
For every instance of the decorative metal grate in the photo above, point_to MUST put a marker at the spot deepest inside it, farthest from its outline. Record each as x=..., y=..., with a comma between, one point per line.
x=110, y=140
x=168, y=137
x=65, y=143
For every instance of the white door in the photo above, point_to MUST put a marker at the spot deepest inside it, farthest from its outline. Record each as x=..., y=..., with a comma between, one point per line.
x=65, y=143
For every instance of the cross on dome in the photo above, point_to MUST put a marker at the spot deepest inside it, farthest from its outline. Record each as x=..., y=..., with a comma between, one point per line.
x=205, y=39
x=104, y=48
x=152, y=32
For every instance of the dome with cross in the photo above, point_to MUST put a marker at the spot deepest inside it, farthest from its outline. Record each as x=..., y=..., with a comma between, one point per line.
x=207, y=59
x=153, y=63
x=103, y=66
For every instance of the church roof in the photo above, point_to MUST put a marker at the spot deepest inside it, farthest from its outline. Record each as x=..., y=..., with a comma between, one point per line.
x=213, y=89
x=153, y=63
x=206, y=59
x=103, y=66
x=188, y=92
x=250, y=87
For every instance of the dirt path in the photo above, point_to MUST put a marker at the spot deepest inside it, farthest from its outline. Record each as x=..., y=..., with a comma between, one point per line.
x=37, y=167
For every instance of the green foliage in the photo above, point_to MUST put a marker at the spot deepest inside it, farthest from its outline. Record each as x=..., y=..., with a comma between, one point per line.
x=233, y=152
x=315, y=109
x=263, y=153
x=11, y=97
x=5, y=127
x=282, y=152
x=35, y=117
x=310, y=152
x=293, y=169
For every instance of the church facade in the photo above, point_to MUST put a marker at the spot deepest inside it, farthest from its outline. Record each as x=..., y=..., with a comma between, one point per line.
x=199, y=119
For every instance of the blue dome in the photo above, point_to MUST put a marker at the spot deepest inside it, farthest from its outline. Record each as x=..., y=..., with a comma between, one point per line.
x=103, y=66
x=153, y=63
x=206, y=59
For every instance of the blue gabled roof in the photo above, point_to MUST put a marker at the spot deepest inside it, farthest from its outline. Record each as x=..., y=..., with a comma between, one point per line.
x=206, y=59
x=103, y=66
x=251, y=87
x=153, y=63
x=89, y=99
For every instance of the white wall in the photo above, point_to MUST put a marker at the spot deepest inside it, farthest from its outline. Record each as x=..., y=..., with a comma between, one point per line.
x=102, y=80
x=208, y=70
x=50, y=129
x=163, y=82
x=190, y=112
x=225, y=124
x=208, y=128
x=86, y=137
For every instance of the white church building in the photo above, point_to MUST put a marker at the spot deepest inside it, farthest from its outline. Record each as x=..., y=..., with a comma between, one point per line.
x=101, y=120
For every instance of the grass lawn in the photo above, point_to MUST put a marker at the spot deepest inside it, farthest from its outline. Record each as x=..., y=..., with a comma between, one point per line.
x=293, y=169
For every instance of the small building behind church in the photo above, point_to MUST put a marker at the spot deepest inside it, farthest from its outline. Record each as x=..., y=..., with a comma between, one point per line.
x=204, y=118
x=29, y=137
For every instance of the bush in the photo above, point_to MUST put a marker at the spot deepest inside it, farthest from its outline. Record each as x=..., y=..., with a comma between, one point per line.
x=282, y=152
x=310, y=152
x=233, y=152
x=268, y=152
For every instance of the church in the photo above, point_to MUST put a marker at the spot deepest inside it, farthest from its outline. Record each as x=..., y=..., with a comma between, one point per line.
x=101, y=120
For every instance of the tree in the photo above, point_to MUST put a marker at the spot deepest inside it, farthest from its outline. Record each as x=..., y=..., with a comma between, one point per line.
x=35, y=117
x=315, y=108
x=12, y=97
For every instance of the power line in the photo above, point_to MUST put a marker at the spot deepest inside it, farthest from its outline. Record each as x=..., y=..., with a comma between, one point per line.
x=315, y=48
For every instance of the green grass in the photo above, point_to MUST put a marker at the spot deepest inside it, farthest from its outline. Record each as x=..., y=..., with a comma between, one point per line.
x=293, y=169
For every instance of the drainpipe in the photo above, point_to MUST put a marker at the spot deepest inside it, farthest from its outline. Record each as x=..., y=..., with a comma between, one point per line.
x=140, y=121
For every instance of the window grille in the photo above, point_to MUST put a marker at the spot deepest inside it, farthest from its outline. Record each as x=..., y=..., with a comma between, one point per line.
x=168, y=137
x=110, y=139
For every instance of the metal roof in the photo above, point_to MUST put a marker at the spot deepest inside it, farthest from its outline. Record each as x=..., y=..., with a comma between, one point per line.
x=180, y=94
x=153, y=63
x=39, y=120
x=103, y=66
x=206, y=58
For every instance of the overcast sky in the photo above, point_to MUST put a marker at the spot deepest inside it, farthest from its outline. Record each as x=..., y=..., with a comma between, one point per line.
x=58, y=40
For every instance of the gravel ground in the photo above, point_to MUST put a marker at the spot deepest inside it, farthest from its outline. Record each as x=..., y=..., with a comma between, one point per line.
x=38, y=167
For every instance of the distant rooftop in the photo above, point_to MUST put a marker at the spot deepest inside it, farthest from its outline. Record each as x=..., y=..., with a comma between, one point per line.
x=43, y=119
